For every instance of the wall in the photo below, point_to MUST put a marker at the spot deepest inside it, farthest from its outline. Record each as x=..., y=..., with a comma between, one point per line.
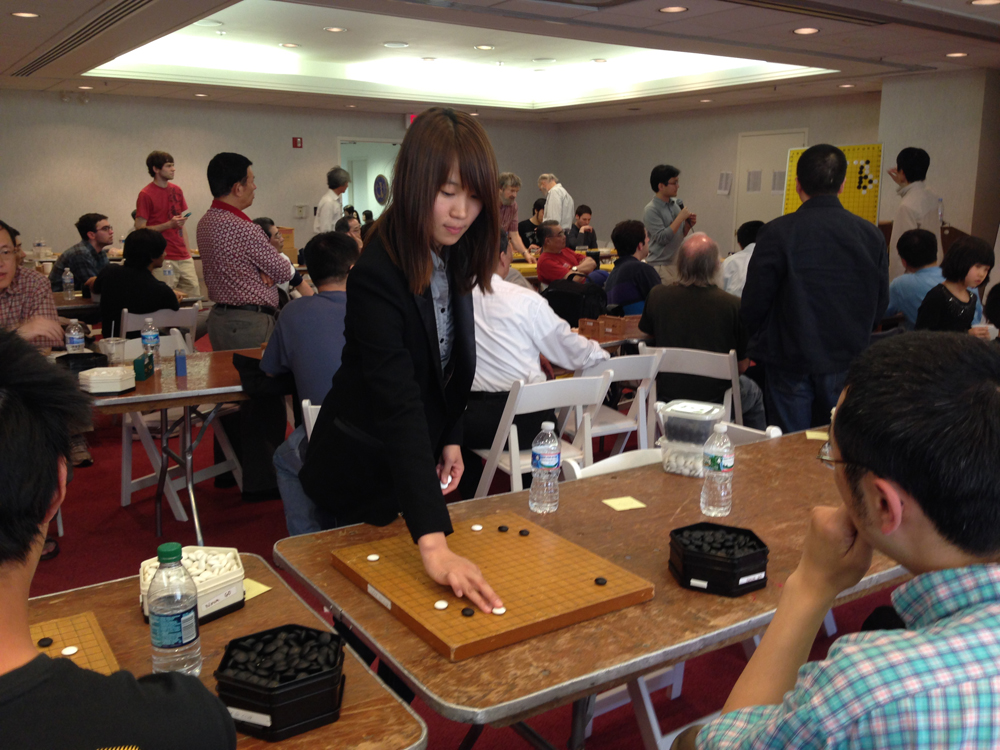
x=986, y=212
x=378, y=159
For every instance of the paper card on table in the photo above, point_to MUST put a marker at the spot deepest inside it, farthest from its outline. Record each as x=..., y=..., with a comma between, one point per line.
x=816, y=435
x=253, y=588
x=623, y=503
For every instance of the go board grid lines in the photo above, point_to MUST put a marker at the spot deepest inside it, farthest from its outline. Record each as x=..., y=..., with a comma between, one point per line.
x=82, y=631
x=862, y=185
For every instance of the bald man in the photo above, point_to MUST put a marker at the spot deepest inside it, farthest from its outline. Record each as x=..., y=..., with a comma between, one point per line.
x=693, y=313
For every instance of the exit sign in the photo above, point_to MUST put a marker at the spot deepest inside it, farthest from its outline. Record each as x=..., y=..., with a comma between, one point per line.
x=296, y=143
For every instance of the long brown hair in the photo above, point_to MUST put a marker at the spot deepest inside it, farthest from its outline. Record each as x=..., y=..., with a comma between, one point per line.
x=435, y=140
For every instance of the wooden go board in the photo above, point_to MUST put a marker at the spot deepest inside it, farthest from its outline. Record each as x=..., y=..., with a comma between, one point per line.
x=545, y=582
x=861, y=186
x=83, y=632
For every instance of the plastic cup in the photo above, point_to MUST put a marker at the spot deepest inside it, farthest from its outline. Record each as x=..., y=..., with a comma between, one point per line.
x=114, y=349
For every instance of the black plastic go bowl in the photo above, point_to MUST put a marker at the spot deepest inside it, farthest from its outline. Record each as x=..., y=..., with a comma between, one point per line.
x=718, y=559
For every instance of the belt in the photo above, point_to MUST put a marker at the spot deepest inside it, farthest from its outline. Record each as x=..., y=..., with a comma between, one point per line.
x=249, y=308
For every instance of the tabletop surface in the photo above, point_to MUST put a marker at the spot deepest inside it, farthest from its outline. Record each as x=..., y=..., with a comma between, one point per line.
x=371, y=716
x=776, y=484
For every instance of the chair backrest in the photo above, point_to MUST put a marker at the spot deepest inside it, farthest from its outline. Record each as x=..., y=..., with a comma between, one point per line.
x=554, y=394
x=740, y=435
x=309, y=415
x=186, y=317
x=631, y=367
x=705, y=364
x=630, y=460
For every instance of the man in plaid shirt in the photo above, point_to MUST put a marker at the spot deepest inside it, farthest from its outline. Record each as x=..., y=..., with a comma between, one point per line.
x=914, y=450
x=26, y=305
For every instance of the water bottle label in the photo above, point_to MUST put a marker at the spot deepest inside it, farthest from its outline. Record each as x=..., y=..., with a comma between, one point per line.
x=716, y=462
x=174, y=631
x=74, y=340
x=150, y=339
x=545, y=460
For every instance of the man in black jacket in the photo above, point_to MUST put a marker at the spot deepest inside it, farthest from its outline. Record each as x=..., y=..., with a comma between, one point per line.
x=816, y=286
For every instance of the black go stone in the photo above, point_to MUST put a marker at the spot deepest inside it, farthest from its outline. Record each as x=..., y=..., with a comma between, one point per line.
x=468, y=612
x=524, y=532
x=601, y=581
x=502, y=528
x=44, y=642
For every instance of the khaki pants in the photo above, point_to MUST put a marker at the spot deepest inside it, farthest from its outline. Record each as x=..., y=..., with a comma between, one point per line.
x=667, y=271
x=184, y=275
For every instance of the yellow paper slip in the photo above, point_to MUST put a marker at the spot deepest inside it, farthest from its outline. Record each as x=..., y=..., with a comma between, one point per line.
x=253, y=588
x=623, y=503
x=816, y=435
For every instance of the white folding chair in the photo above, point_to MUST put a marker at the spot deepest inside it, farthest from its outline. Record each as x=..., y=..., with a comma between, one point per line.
x=310, y=414
x=186, y=317
x=622, y=462
x=608, y=421
x=584, y=395
x=697, y=362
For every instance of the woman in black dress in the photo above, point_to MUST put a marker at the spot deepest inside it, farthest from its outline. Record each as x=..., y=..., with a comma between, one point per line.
x=387, y=439
x=952, y=306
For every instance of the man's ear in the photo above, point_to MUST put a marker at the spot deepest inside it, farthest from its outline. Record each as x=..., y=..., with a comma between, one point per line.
x=842, y=186
x=60, y=493
x=889, y=501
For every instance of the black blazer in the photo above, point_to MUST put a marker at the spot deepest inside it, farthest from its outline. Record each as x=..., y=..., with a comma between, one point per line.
x=391, y=409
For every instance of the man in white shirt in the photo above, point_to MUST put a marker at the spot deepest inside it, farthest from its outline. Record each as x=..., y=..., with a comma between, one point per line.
x=331, y=206
x=517, y=334
x=919, y=207
x=734, y=268
x=558, y=203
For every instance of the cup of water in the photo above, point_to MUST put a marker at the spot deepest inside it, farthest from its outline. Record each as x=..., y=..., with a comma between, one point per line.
x=114, y=350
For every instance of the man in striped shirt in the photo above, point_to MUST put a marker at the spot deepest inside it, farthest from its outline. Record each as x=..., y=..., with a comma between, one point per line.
x=913, y=447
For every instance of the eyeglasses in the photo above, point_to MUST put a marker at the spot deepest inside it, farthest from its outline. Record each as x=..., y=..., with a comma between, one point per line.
x=8, y=255
x=108, y=228
x=826, y=456
x=675, y=183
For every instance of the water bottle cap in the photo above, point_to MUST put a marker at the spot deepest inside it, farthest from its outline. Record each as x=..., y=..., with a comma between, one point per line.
x=149, y=320
x=550, y=426
x=169, y=552
x=721, y=427
x=72, y=320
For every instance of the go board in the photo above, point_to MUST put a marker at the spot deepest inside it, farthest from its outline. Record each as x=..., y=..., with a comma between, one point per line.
x=861, y=186
x=545, y=582
x=82, y=632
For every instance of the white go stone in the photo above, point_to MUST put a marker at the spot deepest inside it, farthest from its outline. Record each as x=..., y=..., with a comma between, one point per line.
x=499, y=610
x=372, y=558
x=440, y=604
x=69, y=650
x=477, y=527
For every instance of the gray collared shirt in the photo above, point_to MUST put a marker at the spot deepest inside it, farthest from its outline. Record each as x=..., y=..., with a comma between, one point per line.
x=441, y=296
x=663, y=241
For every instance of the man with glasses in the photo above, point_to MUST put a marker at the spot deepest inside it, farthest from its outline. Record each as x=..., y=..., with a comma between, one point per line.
x=913, y=452
x=667, y=221
x=556, y=261
x=88, y=257
x=26, y=305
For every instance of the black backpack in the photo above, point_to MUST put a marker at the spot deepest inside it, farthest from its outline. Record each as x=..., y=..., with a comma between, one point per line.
x=571, y=300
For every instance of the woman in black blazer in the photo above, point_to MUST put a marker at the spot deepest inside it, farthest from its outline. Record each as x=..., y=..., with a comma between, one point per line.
x=387, y=438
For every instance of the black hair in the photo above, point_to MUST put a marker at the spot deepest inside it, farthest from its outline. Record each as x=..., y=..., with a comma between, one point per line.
x=965, y=253
x=917, y=247
x=538, y=205
x=40, y=405
x=991, y=307
x=329, y=256
x=913, y=162
x=544, y=230
x=343, y=224
x=627, y=236
x=582, y=209
x=5, y=227
x=504, y=241
x=662, y=173
x=821, y=170
x=747, y=233
x=368, y=216
x=923, y=410
x=88, y=223
x=157, y=159
x=143, y=246
x=225, y=170
x=265, y=223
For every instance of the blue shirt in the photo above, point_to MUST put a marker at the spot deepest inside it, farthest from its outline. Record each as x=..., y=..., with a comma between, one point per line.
x=82, y=261
x=906, y=292
x=307, y=342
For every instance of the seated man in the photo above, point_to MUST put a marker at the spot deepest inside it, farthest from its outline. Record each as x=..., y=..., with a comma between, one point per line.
x=917, y=250
x=556, y=261
x=507, y=250
x=53, y=703
x=582, y=233
x=88, y=257
x=132, y=285
x=307, y=342
x=631, y=280
x=528, y=228
x=277, y=240
x=913, y=451
x=514, y=327
x=693, y=313
x=734, y=268
x=350, y=225
x=26, y=305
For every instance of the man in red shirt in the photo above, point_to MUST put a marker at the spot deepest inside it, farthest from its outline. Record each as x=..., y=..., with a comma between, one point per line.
x=161, y=207
x=556, y=261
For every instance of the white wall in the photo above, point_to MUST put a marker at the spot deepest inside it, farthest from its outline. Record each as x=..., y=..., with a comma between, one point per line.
x=378, y=158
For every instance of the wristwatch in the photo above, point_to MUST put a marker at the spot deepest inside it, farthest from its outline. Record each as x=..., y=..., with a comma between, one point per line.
x=574, y=268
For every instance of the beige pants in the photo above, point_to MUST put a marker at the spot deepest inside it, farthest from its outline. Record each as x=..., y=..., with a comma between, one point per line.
x=667, y=271
x=184, y=275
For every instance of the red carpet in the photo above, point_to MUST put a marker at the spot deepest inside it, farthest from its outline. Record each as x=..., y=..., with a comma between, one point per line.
x=104, y=541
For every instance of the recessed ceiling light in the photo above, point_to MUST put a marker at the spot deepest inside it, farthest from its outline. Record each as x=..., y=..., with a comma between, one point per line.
x=598, y=60
x=544, y=60
x=220, y=32
x=334, y=29
x=673, y=9
x=805, y=31
x=396, y=45
x=85, y=88
x=290, y=45
x=428, y=59
x=499, y=63
x=208, y=23
x=704, y=101
x=352, y=106
x=484, y=47
x=474, y=114
x=985, y=2
x=201, y=95
x=957, y=54
x=846, y=86
x=25, y=15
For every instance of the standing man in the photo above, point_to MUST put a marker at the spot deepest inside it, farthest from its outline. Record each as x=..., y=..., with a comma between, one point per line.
x=510, y=185
x=919, y=206
x=666, y=220
x=558, y=203
x=241, y=270
x=817, y=286
x=161, y=207
x=527, y=228
x=88, y=257
x=331, y=206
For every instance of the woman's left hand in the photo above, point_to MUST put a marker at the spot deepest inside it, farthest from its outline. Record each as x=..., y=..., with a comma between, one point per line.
x=450, y=468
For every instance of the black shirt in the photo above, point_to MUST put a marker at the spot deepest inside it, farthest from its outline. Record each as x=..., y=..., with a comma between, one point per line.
x=53, y=703
x=943, y=311
x=133, y=288
x=527, y=231
x=575, y=237
x=630, y=281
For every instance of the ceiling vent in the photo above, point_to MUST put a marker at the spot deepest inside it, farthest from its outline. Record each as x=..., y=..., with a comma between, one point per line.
x=95, y=27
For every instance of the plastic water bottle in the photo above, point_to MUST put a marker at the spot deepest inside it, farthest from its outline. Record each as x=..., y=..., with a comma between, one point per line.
x=717, y=493
x=941, y=211
x=173, y=615
x=168, y=274
x=151, y=341
x=543, y=497
x=68, y=283
x=74, y=337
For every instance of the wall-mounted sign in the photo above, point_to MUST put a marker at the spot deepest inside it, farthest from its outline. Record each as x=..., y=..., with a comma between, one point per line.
x=381, y=189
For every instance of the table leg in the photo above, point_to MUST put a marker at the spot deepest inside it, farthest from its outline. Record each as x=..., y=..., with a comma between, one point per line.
x=532, y=737
x=583, y=714
x=645, y=716
x=164, y=471
x=189, y=446
x=471, y=736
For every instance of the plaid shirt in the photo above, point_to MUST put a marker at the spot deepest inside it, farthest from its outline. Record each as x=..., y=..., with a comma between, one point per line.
x=82, y=261
x=27, y=296
x=935, y=684
x=508, y=218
